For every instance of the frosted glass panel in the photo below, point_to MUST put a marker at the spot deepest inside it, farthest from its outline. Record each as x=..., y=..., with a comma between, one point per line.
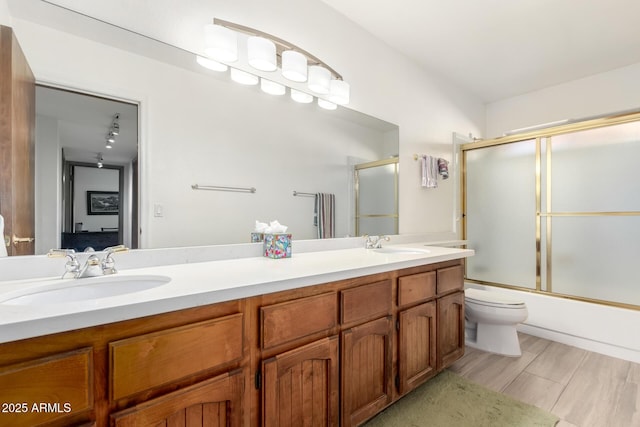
x=596, y=170
x=501, y=213
x=597, y=257
x=377, y=189
x=377, y=226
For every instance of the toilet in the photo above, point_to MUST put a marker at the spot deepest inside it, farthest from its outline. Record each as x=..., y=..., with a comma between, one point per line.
x=490, y=322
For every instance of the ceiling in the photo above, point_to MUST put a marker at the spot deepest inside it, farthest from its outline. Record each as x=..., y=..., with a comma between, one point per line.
x=84, y=122
x=498, y=49
x=494, y=49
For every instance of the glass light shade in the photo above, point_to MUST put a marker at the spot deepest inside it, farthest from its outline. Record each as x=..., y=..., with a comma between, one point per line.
x=319, y=78
x=294, y=66
x=243, y=77
x=303, y=98
x=339, y=92
x=221, y=43
x=272, y=88
x=261, y=54
x=326, y=104
x=211, y=64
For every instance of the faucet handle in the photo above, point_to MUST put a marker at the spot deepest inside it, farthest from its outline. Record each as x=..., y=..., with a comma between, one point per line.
x=59, y=253
x=113, y=249
x=72, y=267
x=108, y=264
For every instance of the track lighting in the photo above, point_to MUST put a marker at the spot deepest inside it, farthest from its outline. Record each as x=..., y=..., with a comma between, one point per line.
x=114, y=130
x=100, y=160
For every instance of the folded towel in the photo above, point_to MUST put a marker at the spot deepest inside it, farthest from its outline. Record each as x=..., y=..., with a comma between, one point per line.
x=443, y=168
x=3, y=248
x=429, y=166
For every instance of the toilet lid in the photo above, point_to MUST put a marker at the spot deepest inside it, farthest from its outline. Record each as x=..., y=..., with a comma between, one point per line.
x=490, y=298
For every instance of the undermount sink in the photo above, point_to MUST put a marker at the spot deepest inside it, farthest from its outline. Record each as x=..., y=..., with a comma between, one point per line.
x=92, y=288
x=395, y=250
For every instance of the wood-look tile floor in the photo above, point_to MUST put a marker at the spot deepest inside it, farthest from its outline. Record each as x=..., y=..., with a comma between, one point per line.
x=584, y=389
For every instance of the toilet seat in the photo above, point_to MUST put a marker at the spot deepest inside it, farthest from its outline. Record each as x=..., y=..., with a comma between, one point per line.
x=490, y=299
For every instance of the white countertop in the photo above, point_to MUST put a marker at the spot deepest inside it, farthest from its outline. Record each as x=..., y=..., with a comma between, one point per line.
x=202, y=283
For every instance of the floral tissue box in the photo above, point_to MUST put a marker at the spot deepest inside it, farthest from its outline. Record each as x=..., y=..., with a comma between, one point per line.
x=277, y=245
x=257, y=237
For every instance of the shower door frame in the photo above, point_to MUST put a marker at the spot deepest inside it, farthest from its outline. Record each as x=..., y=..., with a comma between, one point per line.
x=545, y=134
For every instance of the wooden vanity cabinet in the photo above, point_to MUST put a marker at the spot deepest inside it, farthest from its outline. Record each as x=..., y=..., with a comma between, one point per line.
x=214, y=402
x=367, y=351
x=450, y=335
x=450, y=312
x=300, y=387
x=325, y=354
x=430, y=325
x=416, y=346
x=56, y=390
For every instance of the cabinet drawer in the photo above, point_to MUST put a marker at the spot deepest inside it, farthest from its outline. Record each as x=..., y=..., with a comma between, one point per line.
x=450, y=279
x=292, y=320
x=63, y=383
x=366, y=302
x=416, y=288
x=147, y=361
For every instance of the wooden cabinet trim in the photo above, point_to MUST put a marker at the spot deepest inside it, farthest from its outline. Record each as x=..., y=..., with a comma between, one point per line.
x=366, y=302
x=224, y=390
x=283, y=395
x=376, y=363
x=63, y=382
x=450, y=336
x=450, y=279
x=416, y=288
x=293, y=320
x=417, y=334
x=152, y=360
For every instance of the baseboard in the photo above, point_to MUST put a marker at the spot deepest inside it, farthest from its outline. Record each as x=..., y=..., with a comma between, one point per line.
x=583, y=343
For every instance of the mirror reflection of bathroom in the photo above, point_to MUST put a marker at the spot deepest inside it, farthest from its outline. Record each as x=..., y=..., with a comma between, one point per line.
x=87, y=171
x=376, y=188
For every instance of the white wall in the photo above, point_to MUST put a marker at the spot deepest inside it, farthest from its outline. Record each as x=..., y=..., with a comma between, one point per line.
x=385, y=84
x=610, y=92
x=48, y=185
x=5, y=16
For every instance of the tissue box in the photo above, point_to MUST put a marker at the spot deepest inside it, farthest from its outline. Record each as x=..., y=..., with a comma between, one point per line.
x=257, y=237
x=277, y=245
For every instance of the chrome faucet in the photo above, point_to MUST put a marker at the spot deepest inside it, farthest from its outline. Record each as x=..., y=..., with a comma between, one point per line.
x=108, y=264
x=374, y=242
x=72, y=267
x=92, y=267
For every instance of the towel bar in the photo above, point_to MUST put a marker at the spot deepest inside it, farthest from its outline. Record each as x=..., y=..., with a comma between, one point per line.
x=222, y=188
x=298, y=193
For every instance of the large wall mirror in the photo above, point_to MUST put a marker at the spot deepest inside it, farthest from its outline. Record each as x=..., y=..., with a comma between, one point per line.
x=195, y=127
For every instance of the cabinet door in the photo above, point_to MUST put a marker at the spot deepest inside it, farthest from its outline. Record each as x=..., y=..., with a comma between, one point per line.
x=301, y=386
x=212, y=403
x=416, y=346
x=366, y=370
x=450, y=329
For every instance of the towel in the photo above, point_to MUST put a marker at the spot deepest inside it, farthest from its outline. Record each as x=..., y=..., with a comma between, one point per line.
x=429, y=171
x=3, y=247
x=324, y=214
x=443, y=168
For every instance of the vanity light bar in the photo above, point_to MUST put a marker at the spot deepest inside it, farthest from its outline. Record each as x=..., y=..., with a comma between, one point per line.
x=266, y=53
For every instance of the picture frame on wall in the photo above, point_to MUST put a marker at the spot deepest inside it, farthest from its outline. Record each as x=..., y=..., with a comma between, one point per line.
x=103, y=202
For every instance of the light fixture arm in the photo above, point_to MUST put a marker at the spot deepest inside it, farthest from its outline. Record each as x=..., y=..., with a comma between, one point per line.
x=281, y=45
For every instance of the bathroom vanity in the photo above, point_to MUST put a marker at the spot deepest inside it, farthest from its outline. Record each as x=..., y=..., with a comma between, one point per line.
x=330, y=337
